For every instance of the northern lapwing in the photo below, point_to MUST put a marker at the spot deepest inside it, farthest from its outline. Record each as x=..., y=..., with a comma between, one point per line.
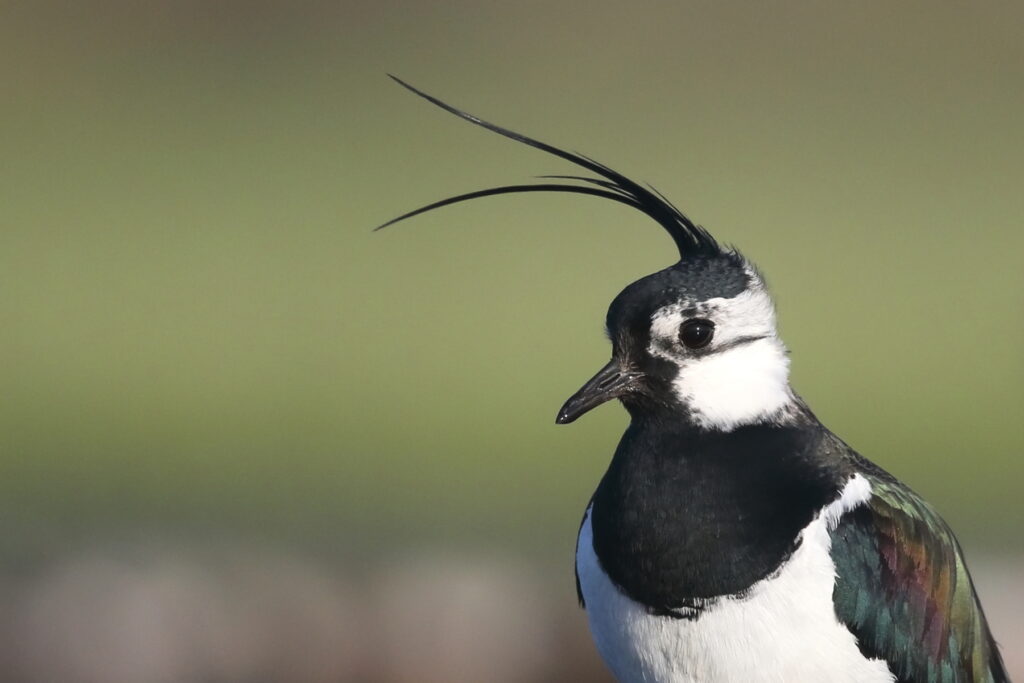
x=733, y=536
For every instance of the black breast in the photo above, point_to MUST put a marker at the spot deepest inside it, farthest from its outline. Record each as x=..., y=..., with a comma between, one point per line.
x=682, y=516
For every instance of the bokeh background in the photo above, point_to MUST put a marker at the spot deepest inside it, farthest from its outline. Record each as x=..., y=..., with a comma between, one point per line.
x=243, y=438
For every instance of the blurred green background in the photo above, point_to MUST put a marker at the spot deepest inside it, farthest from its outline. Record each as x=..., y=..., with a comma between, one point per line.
x=203, y=339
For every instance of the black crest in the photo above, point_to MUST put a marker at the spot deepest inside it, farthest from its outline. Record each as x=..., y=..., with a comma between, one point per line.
x=691, y=239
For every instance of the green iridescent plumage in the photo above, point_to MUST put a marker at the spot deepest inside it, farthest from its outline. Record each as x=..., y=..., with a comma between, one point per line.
x=902, y=588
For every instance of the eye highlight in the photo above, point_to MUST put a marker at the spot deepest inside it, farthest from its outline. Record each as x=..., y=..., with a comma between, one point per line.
x=696, y=333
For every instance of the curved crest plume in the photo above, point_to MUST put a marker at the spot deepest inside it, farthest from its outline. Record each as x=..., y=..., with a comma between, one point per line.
x=690, y=238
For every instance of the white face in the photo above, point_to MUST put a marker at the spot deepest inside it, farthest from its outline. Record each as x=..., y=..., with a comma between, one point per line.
x=742, y=376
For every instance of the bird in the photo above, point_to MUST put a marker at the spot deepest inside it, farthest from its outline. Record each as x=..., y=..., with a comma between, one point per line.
x=733, y=537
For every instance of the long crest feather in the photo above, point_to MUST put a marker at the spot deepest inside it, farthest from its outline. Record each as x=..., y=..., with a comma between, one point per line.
x=513, y=189
x=691, y=239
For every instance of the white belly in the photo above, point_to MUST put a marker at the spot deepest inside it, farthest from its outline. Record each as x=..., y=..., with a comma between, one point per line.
x=784, y=630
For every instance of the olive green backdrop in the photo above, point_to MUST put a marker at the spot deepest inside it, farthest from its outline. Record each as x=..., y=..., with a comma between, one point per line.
x=201, y=335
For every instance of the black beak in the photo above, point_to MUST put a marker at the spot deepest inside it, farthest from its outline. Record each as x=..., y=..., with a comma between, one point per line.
x=611, y=382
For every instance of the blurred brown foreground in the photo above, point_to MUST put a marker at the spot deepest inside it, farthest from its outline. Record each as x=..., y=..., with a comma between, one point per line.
x=148, y=612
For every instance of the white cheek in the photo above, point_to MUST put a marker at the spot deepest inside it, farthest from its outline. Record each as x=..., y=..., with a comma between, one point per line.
x=742, y=385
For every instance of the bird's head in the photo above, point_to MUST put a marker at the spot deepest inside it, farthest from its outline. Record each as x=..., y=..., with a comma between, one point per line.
x=695, y=342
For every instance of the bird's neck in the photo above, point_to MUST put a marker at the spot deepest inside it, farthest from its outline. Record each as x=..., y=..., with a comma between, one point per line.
x=685, y=514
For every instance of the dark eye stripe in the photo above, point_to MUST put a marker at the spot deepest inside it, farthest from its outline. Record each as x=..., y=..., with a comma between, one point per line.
x=739, y=341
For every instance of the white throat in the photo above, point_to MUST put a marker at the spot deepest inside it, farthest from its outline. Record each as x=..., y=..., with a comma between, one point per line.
x=743, y=385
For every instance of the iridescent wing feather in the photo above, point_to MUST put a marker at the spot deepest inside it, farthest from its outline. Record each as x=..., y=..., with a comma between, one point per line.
x=903, y=590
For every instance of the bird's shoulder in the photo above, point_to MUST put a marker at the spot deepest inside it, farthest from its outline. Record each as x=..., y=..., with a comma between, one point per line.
x=576, y=569
x=903, y=589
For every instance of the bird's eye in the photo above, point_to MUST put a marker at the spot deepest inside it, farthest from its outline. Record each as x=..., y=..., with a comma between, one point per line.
x=696, y=333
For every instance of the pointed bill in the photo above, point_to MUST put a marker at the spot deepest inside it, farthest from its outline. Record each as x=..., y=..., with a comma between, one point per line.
x=612, y=381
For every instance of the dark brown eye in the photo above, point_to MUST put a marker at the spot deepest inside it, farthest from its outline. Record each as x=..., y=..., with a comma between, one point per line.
x=696, y=333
